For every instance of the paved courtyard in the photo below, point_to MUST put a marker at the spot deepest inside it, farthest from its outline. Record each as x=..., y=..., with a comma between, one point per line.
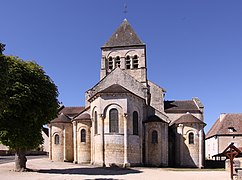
x=44, y=169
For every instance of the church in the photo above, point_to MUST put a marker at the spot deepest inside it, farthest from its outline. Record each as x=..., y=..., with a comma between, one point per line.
x=126, y=121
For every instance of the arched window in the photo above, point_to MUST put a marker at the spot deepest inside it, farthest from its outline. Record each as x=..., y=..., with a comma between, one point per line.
x=191, y=138
x=110, y=63
x=113, y=121
x=95, y=123
x=83, y=135
x=117, y=61
x=154, y=137
x=127, y=62
x=135, y=62
x=57, y=139
x=135, y=123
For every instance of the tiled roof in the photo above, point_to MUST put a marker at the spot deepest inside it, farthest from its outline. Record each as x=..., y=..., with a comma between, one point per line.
x=181, y=106
x=187, y=118
x=154, y=118
x=123, y=36
x=84, y=116
x=62, y=118
x=115, y=88
x=228, y=124
x=72, y=111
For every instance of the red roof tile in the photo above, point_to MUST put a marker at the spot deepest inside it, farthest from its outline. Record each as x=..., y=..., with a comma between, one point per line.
x=230, y=124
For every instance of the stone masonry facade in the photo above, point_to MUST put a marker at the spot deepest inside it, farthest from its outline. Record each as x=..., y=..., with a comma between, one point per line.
x=126, y=121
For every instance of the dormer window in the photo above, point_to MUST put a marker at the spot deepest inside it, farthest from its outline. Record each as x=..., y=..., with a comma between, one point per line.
x=231, y=129
x=117, y=61
x=110, y=63
x=127, y=62
x=135, y=62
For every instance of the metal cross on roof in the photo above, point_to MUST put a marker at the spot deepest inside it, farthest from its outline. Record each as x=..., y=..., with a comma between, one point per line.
x=125, y=11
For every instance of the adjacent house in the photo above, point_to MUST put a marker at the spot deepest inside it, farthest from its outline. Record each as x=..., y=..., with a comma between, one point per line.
x=226, y=130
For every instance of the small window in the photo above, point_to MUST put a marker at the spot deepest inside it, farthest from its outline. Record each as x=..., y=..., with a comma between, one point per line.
x=135, y=62
x=231, y=129
x=95, y=123
x=113, y=121
x=83, y=135
x=154, y=136
x=191, y=138
x=110, y=63
x=57, y=139
x=135, y=123
x=117, y=61
x=127, y=62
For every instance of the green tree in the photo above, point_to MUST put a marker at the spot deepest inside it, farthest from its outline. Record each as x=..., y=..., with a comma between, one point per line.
x=28, y=100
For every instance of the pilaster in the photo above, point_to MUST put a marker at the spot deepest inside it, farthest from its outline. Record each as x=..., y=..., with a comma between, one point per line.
x=75, y=141
x=102, y=143
x=126, y=163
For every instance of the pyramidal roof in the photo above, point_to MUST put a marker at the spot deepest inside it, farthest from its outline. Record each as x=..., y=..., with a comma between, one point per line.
x=123, y=36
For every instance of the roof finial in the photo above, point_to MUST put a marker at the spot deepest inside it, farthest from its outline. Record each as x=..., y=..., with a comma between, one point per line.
x=125, y=11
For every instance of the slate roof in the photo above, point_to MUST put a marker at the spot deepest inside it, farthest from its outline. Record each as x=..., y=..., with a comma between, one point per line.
x=123, y=36
x=222, y=126
x=181, y=106
x=62, y=118
x=187, y=118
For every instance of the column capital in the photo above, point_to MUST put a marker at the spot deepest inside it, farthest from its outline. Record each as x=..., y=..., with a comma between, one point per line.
x=74, y=123
x=101, y=115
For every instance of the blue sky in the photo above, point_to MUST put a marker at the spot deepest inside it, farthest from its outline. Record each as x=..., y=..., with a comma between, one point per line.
x=194, y=47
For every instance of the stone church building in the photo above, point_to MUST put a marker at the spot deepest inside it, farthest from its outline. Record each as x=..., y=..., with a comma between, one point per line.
x=125, y=120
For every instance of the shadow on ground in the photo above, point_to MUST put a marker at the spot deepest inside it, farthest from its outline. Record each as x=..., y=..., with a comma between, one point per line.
x=92, y=171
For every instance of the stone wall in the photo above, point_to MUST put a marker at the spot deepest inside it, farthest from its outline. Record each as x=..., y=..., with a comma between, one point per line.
x=64, y=150
x=189, y=154
x=84, y=148
x=139, y=74
x=156, y=153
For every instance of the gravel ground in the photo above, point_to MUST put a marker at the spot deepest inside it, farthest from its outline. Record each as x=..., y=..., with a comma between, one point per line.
x=44, y=169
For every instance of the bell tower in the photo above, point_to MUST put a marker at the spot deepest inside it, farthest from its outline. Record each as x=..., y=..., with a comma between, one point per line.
x=126, y=51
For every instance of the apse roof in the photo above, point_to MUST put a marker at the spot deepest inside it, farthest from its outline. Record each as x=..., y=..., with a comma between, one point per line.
x=84, y=116
x=62, y=118
x=187, y=118
x=72, y=111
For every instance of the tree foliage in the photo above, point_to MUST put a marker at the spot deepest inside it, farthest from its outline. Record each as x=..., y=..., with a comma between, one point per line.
x=28, y=100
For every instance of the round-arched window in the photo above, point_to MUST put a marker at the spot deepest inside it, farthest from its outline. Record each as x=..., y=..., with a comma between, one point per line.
x=191, y=138
x=135, y=123
x=154, y=137
x=57, y=139
x=83, y=135
x=113, y=121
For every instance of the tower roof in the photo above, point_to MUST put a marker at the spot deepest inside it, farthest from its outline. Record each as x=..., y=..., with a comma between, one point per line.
x=123, y=36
